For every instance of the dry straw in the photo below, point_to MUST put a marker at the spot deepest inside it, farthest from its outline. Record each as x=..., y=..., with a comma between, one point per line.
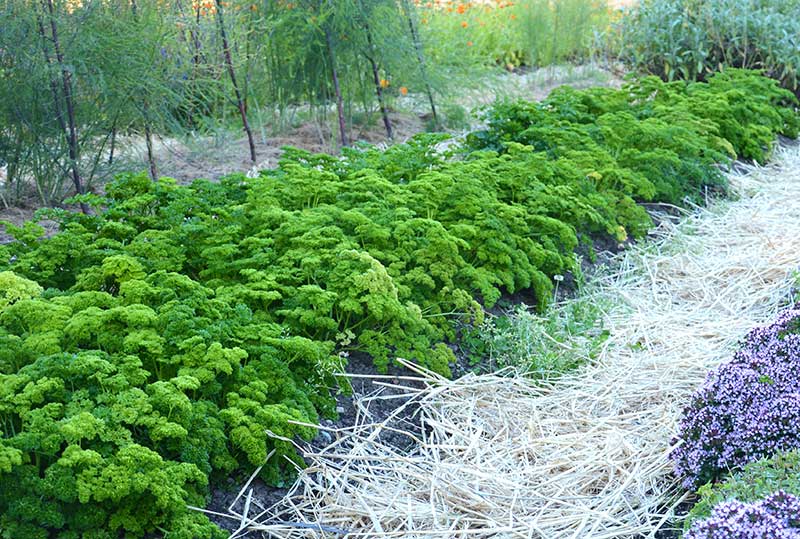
x=584, y=456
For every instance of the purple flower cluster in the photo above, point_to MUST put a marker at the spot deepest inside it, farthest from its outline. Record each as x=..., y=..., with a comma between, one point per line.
x=747, y=409
x=776, y=517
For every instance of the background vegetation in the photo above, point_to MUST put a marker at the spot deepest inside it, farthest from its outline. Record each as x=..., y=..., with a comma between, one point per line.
x=83, y=81
x=690, y=39
x=513, y=34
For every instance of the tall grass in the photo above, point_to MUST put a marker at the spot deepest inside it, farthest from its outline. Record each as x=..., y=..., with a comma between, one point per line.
x=562, y=30
x=532, y=33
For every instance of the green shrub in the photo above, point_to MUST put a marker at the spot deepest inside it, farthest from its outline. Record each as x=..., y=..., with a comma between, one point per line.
x=119, y=398
x=691, y=39
x=755, y=482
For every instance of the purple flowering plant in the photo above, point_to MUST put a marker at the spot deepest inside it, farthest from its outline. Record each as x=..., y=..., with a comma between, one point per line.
x=775, y=517
x=747, y=408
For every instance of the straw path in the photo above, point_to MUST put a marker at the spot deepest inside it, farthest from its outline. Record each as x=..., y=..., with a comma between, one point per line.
x=584, y=456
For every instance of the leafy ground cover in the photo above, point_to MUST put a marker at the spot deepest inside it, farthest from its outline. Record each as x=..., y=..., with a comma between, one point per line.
x=568, y=334
x=653, y=139
x=754, y=483
x=146, y=348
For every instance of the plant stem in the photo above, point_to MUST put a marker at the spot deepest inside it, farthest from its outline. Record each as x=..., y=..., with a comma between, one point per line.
x=420, y=58
x=240, y=100
x=336, y=88
x=113, y=143
x=148, y=139
x=377, y=79
x=148, y=132
x=70, y=127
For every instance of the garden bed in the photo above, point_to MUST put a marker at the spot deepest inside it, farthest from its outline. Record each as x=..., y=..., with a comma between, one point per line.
x=587, y=454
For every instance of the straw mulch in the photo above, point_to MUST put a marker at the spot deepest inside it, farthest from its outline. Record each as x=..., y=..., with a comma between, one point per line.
x=585, y=456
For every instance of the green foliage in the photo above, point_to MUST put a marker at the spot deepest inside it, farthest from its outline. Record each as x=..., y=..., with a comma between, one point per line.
x=14, y=288
x=525, y=32
x=691, y=39
x=122, y=395
x=754, y=483
x=153, y=344
x=650, y=140
x=541, y=346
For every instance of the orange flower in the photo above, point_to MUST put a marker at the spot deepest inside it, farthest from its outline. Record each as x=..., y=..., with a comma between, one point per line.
x=513, y=17
x=403, y=90
x=464, y=24
x=469, y=43
x=461, y=8
x=384, y=83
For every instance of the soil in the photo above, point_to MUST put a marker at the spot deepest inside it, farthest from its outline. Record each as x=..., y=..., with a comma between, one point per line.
x=214, y=157
x=17, y=216
x=265, y=496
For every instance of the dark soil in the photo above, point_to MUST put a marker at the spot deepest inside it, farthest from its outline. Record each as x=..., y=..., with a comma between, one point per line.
x=18, y=216
x=674, y=530
x=265, y=496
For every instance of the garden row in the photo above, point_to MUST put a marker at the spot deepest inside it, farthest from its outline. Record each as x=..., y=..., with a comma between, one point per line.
x=746, y=418
x=146, y=348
